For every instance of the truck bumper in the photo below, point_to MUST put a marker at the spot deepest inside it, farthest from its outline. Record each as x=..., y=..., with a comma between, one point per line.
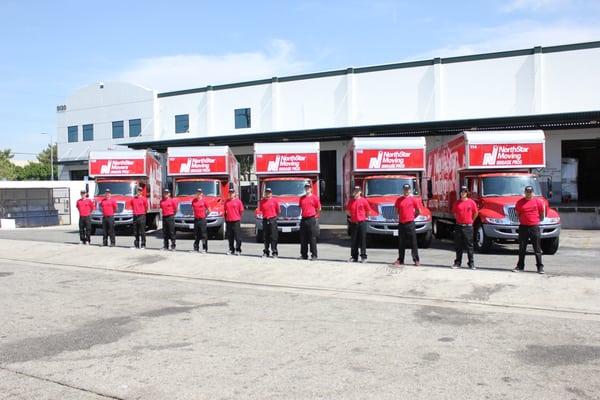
x=283, y=225
x=391, y=228
x=120, y=219
x=186, y=223
x=511, y=232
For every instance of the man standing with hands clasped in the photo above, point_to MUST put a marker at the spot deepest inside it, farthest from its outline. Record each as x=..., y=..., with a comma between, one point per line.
x=531, y=211
x=465, y=212
x=139, y=205
x=85, y=206
x=407, y=208
x=269, y=208
x=108, y=207
x=358, y=209
x=234, y=209
x=168, y=207
x=200, y=209
x=310, y=206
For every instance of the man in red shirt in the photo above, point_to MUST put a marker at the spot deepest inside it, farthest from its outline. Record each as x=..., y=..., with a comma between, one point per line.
x=234, y=209
x=269, y=208
x=531, y=211
x=139, y=205
x=310, y=207
x=358, y=209
x=168, y=207
x=85, y=207
x=108, y=207
x=465, y=212
x=407, y=208
x=200, y=209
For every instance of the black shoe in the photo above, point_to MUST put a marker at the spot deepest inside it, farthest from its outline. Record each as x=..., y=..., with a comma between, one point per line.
x=472, y=266
x=275, y=255
x=352, y=259
x=314, y=258
x=363, y=260
x=518, y=269
x=265, y=255
x=455, y=265
x=541, y=271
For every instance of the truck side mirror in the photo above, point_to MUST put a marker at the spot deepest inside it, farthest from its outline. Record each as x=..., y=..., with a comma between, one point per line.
x=549, y=192
x=429, y=188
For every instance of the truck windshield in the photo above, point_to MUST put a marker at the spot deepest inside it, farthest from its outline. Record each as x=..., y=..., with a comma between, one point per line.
x=189, y=188
x=286, y=188
x=388, y=186
x=118, y=188
x=509, y=185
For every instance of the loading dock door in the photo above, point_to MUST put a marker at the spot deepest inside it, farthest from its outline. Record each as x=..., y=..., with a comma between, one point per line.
x=586, y=152
x=329, y=175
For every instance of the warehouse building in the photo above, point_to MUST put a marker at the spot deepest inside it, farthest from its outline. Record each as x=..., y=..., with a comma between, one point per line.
x=556, y=89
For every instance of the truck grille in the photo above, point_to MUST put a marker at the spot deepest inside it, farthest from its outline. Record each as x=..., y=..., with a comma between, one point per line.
x=388, y=211
x=120, y=207
x=511, y=213
x=185, y=208
x=289, y=210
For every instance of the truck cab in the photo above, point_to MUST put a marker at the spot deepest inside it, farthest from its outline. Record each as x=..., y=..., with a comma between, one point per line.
x=496, y=195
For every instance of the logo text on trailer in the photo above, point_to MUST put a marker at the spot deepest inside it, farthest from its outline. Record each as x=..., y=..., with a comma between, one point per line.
x=388, y=159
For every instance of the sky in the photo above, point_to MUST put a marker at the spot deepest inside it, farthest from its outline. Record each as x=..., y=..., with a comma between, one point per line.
x=49, y=49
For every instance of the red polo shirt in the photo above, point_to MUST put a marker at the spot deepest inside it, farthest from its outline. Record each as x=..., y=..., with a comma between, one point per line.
x=139, y=205
x=108, y=207
x=406, y=207
x=199, y=206
x=85, y=207
x=269, y=207
x=464, y=211
x=359, y=209
x=233, y=210
x=530, y=212
x=168, y=207
x=309, y=204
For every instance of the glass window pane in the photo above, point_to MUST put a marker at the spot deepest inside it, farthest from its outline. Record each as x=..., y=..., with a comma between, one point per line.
x=242, y=118
x=88, y=132
x=72, y=135
x=182, y=123
x=135, y=127
x=117, y=130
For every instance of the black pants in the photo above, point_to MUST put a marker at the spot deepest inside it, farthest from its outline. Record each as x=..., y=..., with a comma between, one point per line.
x=270, y=235
x=108, y=229
x=407, y=237
x=308, y=236
x=358, y=239
x=85, y=229
x=139, y=230
x=532, y=233
x=234, y=233
x=168, y=231
x=463, y=237
x=200, y=233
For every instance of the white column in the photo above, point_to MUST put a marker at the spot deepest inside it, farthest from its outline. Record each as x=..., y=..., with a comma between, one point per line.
x=438, y=106
x=275, y=104
x=209, y=111
x=538, y=75
x=350, y=97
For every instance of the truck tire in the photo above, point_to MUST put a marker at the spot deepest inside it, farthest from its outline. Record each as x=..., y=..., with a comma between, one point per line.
x=550, y=245
x=424, y=239
x=220, y=233
x=439, y=229
x=481, y=242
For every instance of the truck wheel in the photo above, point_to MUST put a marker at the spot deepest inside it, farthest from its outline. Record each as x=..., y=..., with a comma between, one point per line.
x=439, y=229
x=424, y=239
x=481, y=242
x=259, y=236
x=93, y=230
x=220, y=233
x=550, y=245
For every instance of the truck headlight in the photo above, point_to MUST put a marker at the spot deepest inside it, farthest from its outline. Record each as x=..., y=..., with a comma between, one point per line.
x=550, y=221
x=215, y=214
x=498, y=221
x=422, y=218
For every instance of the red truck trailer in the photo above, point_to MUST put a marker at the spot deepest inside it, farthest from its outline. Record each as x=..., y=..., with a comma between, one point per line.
x=495, y=166
x=215, y=170
x=381, y=166
x=285, y=168
x=123, y=172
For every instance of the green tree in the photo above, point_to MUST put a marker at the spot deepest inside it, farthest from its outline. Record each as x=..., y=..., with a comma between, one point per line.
x=7, y=168
x=33, y=171
x=44, y=158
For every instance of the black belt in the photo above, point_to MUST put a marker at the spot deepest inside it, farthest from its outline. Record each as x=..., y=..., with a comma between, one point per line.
x=305, y=218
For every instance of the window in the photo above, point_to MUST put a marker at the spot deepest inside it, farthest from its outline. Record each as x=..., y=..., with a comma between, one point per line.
x=72, y=134
x=242, y=118
x=118, y=132
x=88, y=132
x=135, y=127
x=182, y=123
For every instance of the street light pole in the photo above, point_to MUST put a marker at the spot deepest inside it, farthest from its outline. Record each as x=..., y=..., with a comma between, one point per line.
x=51, y=156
